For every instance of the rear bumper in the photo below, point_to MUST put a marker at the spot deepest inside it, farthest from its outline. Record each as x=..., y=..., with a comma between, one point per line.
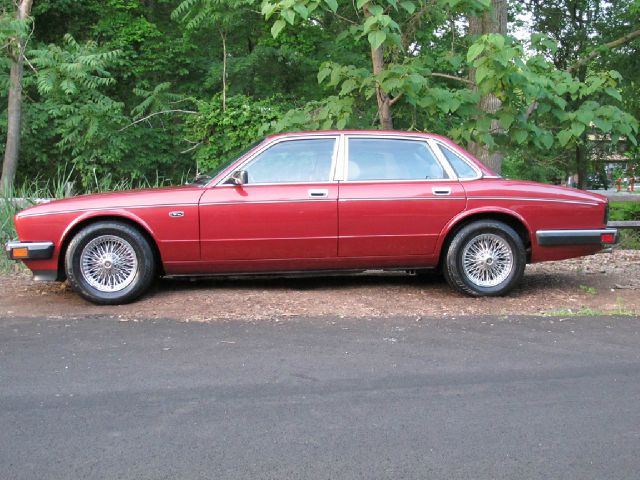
x=29, y=250
x=604, y=236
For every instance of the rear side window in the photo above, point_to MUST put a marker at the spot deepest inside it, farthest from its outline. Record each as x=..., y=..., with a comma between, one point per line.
x=462, y=168
x=391, y=159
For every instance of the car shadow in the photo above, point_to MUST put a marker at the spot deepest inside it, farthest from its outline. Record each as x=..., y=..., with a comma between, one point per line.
x=303, y=282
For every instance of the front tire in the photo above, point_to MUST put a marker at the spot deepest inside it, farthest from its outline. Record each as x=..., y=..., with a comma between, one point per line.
x=110, y=263
x=485, y=258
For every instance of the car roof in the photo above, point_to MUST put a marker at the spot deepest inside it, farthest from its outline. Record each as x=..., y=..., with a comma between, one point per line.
x=399, y=133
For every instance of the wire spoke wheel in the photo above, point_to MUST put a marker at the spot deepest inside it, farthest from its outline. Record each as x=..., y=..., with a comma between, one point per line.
x=487, y=260
x=109, y=263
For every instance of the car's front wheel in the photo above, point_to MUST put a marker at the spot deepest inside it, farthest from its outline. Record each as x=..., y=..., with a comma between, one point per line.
x=109, y=263
x=485, y=258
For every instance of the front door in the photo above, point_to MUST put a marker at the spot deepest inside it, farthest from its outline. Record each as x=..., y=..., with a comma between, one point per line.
x=396, y=199
x=287, y=210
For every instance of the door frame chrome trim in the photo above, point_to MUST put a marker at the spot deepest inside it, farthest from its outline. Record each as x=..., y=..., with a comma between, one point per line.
x=437, y=147
x=266, y=145
x=529, y=199
x=373, y=136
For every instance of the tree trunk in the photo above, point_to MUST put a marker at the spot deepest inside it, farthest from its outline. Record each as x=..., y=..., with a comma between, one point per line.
x=14, y=109
x=384, y=102
x=581, y=165
x=492, y=21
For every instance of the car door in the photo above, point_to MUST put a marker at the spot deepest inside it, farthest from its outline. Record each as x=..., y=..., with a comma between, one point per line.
x=396, y=198
x=287, y=210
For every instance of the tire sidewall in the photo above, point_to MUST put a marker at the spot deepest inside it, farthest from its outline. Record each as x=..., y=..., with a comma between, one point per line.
x=144, y=256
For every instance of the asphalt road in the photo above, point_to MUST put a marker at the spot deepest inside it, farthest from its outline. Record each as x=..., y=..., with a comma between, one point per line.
x=398, y=398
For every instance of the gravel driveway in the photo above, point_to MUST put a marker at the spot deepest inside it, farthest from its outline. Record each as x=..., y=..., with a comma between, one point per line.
x=603, y=283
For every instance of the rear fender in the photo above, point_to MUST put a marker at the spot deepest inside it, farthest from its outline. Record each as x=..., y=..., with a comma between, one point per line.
x=467, y=214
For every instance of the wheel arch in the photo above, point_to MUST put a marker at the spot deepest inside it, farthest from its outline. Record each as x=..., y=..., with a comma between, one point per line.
x=128, y=219
x=507, y=217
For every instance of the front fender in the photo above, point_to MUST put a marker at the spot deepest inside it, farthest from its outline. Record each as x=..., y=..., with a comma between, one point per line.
x=106, y=214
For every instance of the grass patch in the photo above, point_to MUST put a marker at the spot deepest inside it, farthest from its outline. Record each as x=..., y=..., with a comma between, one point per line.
x=590, y=312
x=589, y=290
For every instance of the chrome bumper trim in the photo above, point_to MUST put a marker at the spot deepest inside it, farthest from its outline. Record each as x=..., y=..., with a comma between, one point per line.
x=35, y=250
x=547, y=238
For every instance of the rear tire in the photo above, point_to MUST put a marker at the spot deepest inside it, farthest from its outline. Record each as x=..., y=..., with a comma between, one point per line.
x=485, y=258
x=110, y=263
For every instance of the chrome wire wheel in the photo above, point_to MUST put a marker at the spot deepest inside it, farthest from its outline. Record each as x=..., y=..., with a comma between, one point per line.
x=487, y=260
x=109, y=263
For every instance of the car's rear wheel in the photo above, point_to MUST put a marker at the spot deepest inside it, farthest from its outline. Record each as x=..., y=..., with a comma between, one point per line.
x=485, y=258
x=109, y=263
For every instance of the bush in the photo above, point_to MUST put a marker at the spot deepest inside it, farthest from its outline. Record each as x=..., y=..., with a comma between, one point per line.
x=221, y=133
x=627, y=211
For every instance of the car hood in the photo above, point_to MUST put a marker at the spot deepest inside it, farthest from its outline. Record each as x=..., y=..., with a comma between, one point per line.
x=186, y=194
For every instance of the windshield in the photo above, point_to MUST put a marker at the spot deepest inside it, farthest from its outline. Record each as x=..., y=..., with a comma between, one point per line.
x=203, y=179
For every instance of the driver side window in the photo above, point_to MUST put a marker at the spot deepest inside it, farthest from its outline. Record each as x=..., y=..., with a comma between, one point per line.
x=293, y=161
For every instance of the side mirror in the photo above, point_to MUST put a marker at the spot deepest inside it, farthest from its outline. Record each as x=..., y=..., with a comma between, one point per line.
x=239, y=177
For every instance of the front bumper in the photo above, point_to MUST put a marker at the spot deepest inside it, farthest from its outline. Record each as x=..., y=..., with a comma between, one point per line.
x=605, y=236
x=29, y=250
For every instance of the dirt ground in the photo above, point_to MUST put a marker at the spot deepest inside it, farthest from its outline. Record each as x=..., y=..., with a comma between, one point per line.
x=603, y=283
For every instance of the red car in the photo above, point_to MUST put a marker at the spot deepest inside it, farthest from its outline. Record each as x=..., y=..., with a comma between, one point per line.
x=316, y=201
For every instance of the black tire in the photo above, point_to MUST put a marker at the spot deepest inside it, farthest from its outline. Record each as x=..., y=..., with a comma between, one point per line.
x=110, y=252
x=495, y=259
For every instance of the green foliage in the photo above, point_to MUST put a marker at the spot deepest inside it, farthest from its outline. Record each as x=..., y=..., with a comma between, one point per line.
x=306, y=64
x=563, y=108
x=330, y=113
x=217, y=133
x=626, y=211
x=71, y=80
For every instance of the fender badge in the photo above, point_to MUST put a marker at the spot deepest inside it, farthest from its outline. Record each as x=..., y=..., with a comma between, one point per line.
x=176, y=214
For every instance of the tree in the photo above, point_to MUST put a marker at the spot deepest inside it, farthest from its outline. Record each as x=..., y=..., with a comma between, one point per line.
x=576, y=26
x=493, y=20
x=397, y=70
x=221, y=15
x=17, y=45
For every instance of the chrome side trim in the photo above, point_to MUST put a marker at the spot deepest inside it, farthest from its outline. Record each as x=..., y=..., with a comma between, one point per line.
x=527, y=199
x=108, y=209
x=574, y=237
x=398, y=199
x=419, y=180
x=254, y=202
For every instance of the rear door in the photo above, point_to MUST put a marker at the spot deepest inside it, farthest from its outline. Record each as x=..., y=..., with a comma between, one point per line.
x=396, y=198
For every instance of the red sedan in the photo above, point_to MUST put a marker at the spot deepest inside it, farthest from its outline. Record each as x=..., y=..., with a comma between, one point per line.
x=316, y=201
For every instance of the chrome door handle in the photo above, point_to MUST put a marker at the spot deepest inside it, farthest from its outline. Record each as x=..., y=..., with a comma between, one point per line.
x=318, y=193
x=441, y=191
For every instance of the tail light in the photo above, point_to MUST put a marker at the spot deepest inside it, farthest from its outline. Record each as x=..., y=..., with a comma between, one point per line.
x=608, y=238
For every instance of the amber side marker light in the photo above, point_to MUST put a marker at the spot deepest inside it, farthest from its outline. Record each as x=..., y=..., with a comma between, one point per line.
x=22, y=252
x=607, y=238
